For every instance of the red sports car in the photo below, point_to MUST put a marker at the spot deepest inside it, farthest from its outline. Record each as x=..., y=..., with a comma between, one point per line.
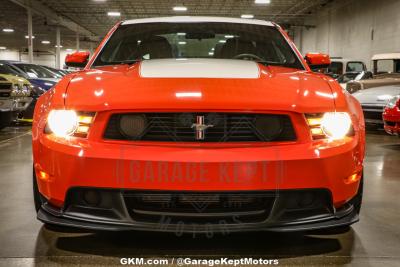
x=391, y=116
x=197, y=124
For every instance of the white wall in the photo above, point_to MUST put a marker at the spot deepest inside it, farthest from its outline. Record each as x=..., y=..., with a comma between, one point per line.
x=345, y=29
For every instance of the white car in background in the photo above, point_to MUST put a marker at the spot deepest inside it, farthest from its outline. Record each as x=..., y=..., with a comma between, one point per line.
x=386, y=72
x=374, y=100
x=353, y=76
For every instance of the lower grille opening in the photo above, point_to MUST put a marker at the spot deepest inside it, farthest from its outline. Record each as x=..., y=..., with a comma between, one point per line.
x=166, y=208
x=199, y=208
x=390, y=123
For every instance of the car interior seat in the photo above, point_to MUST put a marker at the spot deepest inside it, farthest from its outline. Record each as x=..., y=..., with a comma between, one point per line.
x=236, y=46
x=154, y=47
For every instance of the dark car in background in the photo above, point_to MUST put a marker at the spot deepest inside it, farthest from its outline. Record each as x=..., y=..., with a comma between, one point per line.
x=41, y=79
x=58, y=72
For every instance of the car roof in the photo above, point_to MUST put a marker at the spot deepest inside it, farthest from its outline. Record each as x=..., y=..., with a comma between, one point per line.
x=333, y=59
x=183, y=19
x=386, y=56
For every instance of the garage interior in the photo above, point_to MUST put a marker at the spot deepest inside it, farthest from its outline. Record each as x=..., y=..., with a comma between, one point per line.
x=355, y=29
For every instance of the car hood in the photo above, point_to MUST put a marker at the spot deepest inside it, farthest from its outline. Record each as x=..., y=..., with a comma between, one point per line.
x=199, y=84
x=15, y=79
x=377, y=95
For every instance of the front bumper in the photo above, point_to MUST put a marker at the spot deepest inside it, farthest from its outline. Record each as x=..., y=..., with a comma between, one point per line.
x=15, y=104
x=391, y=119
x=373, y=114
x=280, y=211
x=61, y=164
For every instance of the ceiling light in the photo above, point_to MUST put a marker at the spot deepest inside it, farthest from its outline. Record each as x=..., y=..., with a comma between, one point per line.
x=222, y=41
x=229, y=36
x=3, y=48
x=58, y=46
x=180, y=8
x=182, y=43
x=8, y=30
x=27, y=37
x=181, y=33
x=211, y=53
x=114, y=14
x=262, y=1
x=247, y=16
x=45, y=42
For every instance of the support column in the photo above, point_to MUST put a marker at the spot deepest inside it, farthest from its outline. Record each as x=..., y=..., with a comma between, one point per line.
x=58, y=48
x=77, y=41
x=30, y=33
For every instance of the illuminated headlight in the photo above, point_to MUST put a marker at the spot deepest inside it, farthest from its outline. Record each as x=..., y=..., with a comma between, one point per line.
x=62, y=123
x=336, y=125
x=65, y=123
x=332, y=125
x=393, y=102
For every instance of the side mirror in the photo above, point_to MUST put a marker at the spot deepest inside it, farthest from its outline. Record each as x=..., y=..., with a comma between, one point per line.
x=77, y=59
x=317, y=60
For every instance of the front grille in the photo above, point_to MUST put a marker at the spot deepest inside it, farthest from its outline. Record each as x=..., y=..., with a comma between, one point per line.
x=5, y=94
x=373, y=115
x=372, y=112
x=199, y=207
x=5, y=85
x=227, y=127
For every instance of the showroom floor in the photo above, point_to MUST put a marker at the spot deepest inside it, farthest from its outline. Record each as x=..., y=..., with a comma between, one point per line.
x=371, y=242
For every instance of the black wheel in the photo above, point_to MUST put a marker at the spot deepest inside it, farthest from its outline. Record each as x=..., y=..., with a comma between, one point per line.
x=37, y=197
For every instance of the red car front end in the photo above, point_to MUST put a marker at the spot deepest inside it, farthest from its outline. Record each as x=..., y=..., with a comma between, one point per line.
x=391, y=117
x=198, y=145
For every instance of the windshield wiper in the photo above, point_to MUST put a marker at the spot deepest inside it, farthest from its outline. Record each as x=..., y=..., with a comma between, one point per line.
x=129, y=62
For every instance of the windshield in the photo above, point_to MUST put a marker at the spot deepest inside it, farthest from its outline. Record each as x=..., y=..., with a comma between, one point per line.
x=259, y=43
x=382, y=66
x=347, y=77
x=6, y=69
x=36, y=71
x=335, y=68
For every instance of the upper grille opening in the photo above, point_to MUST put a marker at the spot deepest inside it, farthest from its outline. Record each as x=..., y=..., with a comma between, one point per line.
x=222, y=127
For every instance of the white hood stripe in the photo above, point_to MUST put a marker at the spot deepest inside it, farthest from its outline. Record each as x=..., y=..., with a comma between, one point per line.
x=199, y=68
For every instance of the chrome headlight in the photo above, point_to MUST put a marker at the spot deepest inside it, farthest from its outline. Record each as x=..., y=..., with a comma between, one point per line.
x=392, y=102
x=62, y=123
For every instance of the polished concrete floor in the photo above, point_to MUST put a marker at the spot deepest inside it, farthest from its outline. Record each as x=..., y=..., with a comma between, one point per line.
x=374, y=241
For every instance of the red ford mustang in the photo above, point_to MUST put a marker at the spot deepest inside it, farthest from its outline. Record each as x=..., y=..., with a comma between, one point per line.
x=391, y=116
x=197, y=124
